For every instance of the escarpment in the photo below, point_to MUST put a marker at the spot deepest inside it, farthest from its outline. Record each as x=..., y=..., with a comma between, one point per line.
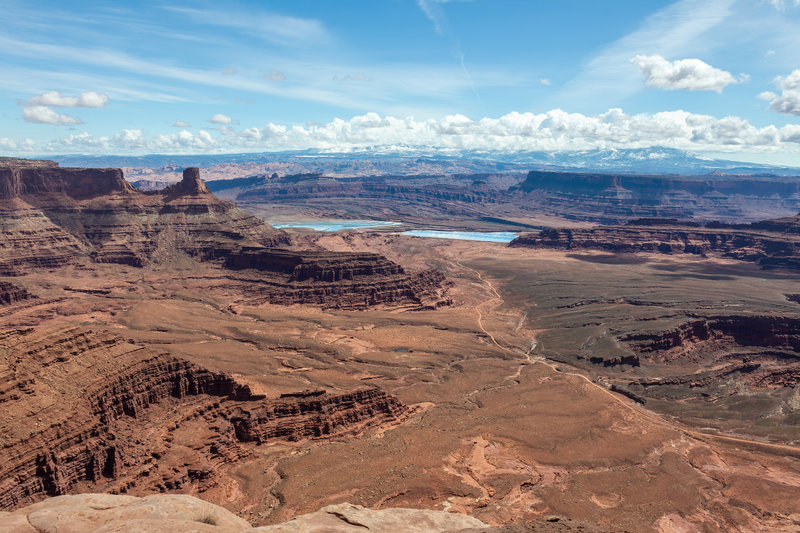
x=53, y=217
x=56, y=216
x=10, y=293
x=295, y=417
x=755, y=353
x=611, y=198
x=84, y=408
x=695, y=338
x=771, y=243
x=331, y=279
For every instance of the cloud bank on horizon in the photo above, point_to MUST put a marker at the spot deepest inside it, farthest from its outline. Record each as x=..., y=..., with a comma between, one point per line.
x=706, y=76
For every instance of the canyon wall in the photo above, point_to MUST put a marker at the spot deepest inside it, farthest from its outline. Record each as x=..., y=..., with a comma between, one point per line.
x=611, y=198
x=769, y=243
x=84, y=408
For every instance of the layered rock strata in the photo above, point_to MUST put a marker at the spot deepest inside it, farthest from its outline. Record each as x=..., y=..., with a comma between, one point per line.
x=331, y=279
x=54, y=216
x=83, y=408
x=773, y=243
x=10, y=293
x=721, y=354
x=316, y=415
x=610, y=198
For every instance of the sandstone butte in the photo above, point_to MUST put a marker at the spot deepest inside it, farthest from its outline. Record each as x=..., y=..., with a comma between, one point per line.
x=87, y=408
x=51, y=217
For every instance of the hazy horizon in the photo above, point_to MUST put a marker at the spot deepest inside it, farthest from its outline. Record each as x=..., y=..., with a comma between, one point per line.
x=717, y=78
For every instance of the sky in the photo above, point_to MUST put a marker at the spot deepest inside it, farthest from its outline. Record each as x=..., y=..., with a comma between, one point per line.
x=714, y=77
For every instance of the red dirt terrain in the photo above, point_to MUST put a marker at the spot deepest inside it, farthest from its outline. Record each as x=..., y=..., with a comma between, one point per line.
x=272, y=382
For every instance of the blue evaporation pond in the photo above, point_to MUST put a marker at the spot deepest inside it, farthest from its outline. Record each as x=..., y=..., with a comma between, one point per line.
x=487, y=236
x=335, y=225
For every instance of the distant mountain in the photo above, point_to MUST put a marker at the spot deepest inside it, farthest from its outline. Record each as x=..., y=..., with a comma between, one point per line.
x=403, y=160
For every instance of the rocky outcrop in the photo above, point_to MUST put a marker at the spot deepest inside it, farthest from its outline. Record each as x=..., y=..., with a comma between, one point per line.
x=31, y=240
x=718, y=333
x=611, y=198
x=314, y=265
x=424, y=289
x=190, y=185
x=313, y=416
x=10, y=293
x=80, y=407
x=771, y=244
x=96, y=513
x=77, y=183
x=332, y=279
x=760, y=352
x=349, y=518
x=54, y=216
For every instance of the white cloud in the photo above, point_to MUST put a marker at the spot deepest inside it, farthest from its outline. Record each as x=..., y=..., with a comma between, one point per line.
x=683, y=74
x=275, y=75
x=56, y=99
x=680, y=29
x=278, y=29
x=545, y=81
x=181, y=124
x=219, y=118
x=39, y=114
x=789, y=100
x=555, y=130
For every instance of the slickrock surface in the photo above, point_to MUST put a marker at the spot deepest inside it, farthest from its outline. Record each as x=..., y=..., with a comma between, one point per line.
x=85, y=407
x=104, y=513
x=349, y=518
x=770, y=243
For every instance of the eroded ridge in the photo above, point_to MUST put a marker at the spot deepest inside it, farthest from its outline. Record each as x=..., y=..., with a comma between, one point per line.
x=769, y=243
x=55, y=216
x=332, y=279
x=84, y=408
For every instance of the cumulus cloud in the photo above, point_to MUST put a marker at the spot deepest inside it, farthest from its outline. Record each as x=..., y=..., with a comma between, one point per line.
x=181, y=124
x=789, y=100
x=275, y=75
x=219, y=118
x=39, y=114
x=555, y=130
x=683, y=74
x=56, y=99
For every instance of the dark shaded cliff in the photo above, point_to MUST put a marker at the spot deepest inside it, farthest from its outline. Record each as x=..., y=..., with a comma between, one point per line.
x=610, y=198
x=84, y=408
x=773, y=243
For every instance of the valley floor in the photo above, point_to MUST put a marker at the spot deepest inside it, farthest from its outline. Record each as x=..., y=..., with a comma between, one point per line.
x=510, y=424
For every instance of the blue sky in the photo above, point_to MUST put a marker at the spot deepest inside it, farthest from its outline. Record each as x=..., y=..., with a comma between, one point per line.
x=712, y=76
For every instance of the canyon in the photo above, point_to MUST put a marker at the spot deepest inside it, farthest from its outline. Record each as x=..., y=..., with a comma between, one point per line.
x=75, y=402
x=362, y=378
x=508, y=198
x=768, y=243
